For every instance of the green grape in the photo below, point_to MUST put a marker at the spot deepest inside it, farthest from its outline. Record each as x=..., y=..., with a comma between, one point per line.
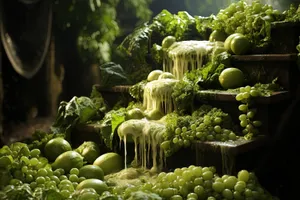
x=63, y=177
x=254, y=93
x=244, y=123
x=40, y=180
x=169, y=192
x=247, y=88
x=61, y=171
x=74, y=171
x=248, y=193
x=184, y=129
x=184, y=191
x=218, y=186
x=210, y=137
x=57, y=172
x=198, y=181
x=218, y=120
x=232, y=136
x=213, y=169
x=237, y=195
x=47, y=178
x=187, y=175
x=33, y=185
x=239, y=97
x=42, y=172
x=34, y=161
x=230, y=182
x=29, y=178
x=227, y=194
x=176, y=197
x=218, y=129
x=243, y=117
x=246, y=95
x=208, y=175
x=55, y=178
x=171, y=177
x=243, y=107
x=81, y=179
x=240, y=186
x=49, y=171
x=178, y=171
x=25, y=160
x=24, y=169
x=257, y=123
x=245, y=131
x=207, y=121
x=199, y=190
x=34, y=153
x=197, y=171
x=202, y=126
x=243, y=175
x=175, y=140
x=177, y=131
x=165, y=145
x=193, y=127
x=250, y=114
x=186, y=143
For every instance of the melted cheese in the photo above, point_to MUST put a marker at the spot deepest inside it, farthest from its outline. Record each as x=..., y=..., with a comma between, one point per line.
x=184, y=56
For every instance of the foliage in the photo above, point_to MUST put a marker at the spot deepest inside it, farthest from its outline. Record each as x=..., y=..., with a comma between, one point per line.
x=97, y=23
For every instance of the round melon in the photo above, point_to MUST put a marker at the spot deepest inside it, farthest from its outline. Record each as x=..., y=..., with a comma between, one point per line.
x=98, y=185
x=91, y=171
x=68, y=160
x=227, y=43
x=55, y=147
x=231, y=78
x=109, y=162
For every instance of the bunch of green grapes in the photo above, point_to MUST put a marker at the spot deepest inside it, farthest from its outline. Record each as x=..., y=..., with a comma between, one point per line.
x=248, y=19
x=195, y=182
x=247, y=118
x=30, y=168
x=207, y=124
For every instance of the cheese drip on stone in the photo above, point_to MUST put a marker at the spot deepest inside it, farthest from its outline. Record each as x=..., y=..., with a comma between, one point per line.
x=147, y=136
x=184, y=56
x=158, y=95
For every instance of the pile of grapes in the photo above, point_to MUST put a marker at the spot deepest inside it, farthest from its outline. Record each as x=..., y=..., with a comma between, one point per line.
x=26, y=171
x=196, y=182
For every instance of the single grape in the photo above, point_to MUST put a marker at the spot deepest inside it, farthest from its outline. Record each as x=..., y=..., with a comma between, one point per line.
x=250, y=114
x=74, y=171
x=218, y=120
x=198, y=181
x=34, y=153
x=227, y=193
x=246, y=95
x=254, y=93
x=177, y=131
x=199, y=190
x=243, y=117
x=40, y=180
x=232, y=136
x=42, y=172
x=63, y=177
x=230, y=182
x=192, y=195
x=184, y=129
x=193, y=127
x=239, y=97
x=33, y=161
x=218, y=186
x=243, y=107
x=257, y=123
x=55, y=178
x=175, y=140
x=244, y=123
x=218, y=129
x=208, y=175
x=243, y=175
x=211, y=198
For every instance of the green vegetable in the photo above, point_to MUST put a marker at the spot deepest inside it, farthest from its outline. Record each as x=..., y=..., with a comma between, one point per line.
x=112, y=74
x=89, y=150
x=110, y=122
